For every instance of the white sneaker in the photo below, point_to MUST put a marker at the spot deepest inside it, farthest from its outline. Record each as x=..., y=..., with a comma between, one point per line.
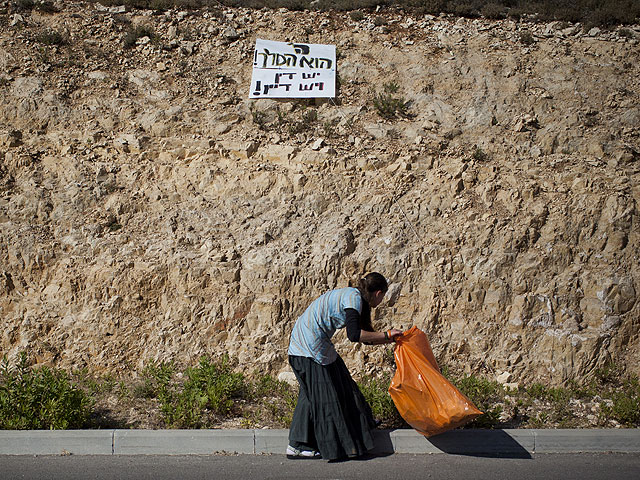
x=294, y=453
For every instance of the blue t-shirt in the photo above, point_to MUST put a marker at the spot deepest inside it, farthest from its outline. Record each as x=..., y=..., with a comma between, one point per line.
x=311, y=335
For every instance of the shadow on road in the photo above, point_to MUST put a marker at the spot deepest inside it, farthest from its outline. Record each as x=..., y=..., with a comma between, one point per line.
x=468, y=442
x=482, y=443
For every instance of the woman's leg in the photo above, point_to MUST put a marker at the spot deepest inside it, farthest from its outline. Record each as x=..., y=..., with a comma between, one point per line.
x=301, y=432
x=332, y=415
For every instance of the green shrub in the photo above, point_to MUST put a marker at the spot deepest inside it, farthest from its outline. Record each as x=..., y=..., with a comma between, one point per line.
x=307, y=122
x=557, y=401
x=376, y=392
x=388, y=105
x=266, y=386
x=622, y=391
x=276, y=397
x=329, y=128
x=485, y=394
x=209, y=389
x=51, y=37
x=480, y=155
x=610, y=13
x=219, y=382
x=40, y=398
x=259, y=118
x=156, y=380
x=25, y=4
x=537, y=390
x=527, y=38
x=626, y=33
x=608, y=376
x=92, y=384
x=625, y=408
x=379, y=21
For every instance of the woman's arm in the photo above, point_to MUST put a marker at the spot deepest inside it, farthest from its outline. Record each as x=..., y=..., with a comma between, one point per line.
x=377, y=338
x=356, y=334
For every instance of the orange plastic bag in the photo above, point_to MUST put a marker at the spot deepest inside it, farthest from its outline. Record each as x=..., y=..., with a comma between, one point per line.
x=425, y=399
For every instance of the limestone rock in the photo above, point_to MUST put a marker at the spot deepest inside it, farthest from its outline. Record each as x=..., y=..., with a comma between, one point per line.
x=317, y=145
x=128, y=143
x=150, y=210
x=26, y=87
x=288, y=377
x=231, y=34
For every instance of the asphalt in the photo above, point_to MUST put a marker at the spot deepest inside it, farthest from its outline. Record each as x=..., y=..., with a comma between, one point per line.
x=507, y=443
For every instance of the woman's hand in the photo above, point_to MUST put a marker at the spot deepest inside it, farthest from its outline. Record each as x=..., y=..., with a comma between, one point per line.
x=393, y=333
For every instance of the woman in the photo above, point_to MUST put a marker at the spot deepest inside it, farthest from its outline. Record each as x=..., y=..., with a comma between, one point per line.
x=332, y=419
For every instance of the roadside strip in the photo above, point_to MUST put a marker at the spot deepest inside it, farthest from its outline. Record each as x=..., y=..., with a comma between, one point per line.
x=508, y=443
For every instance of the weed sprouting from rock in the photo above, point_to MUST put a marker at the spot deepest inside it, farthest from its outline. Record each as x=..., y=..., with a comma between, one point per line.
x=388, y=105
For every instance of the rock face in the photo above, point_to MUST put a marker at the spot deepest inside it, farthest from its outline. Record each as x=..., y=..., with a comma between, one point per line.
x=149, y=210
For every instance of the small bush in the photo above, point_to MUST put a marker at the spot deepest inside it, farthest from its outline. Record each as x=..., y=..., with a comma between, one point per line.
x=388, y=105
x=480, y=155
x=156, y=380
x=623, y=392
x=608, y=375
x=356, y=16
x=209, y=389
x=485, y=394
x=25, y=4
x=379, y=21
x=526, y=38
x=376, y=392
x=625, y=408
x=557, y=400
x=260, y=119
x=40, y=398
x=306, y=124
x=610, y=14
x=278, y=398
x=218, y=381
x=51, y=37
x=465, y=8
x=626, y=33
x=92, y=384
x=158, y=5
x=329, y=128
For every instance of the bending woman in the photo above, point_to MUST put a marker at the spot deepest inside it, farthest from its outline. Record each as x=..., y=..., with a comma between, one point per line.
x=332, y=418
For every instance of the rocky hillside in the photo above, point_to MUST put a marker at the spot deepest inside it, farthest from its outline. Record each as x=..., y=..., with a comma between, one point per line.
x=150, y=210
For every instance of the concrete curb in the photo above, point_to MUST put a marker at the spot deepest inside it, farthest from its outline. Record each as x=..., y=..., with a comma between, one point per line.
x=511, y=443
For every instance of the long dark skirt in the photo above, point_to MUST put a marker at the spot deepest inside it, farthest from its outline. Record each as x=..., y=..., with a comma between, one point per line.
x=331, y=416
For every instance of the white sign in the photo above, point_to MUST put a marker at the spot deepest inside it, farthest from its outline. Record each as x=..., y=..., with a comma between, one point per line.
x=293, y=70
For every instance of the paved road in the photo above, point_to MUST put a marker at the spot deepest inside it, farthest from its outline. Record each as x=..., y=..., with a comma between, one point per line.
x=255, y=467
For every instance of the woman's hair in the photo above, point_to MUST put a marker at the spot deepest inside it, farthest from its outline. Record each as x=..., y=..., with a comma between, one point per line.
x=369, y=284
x=373, y=282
